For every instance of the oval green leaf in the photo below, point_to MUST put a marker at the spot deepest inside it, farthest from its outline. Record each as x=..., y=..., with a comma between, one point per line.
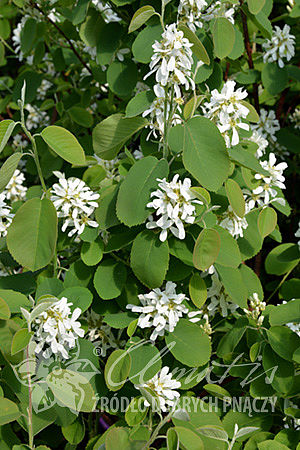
x=207, y=248
x=64, y=144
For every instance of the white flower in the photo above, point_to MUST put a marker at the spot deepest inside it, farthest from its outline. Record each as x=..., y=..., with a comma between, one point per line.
x=226, y=109
x=297, y=234
x=101, y=334
x=291, y=5
x=194, y=318
x=108, y=14
x=42, y=90
x=19, y=142
x=35, y=118
x=138, y=154
x=295, y=119
x=219, y=300
x=5, y=216
x=294, y=326
x=220, y=9
x=233, y=223
x=15, y=189
x=256, y=308
x=190, y=11
x=280, y=46
x=157, y=109
x=173, y=207
x=163, y=385
x=75, y=202
x=275, y=178
x=172, y=60
x=57, y=329
x=262, y=143
x=268, y=125
x=110, y=166
x=160, y=309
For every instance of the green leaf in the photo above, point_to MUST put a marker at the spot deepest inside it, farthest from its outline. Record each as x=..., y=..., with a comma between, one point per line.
x=207, y=248
x=279, y=371
x=253, y=115
x=245, y=159
x=235, y=197
x=62, y=142
x=117, y=437
x=229, y=254
x=110, y=278
x=198, y=48
x=283, y=341
x=31, y=237
x=145, y=363
x=135, y=414
x=92, y=252
x=139, y=103
x=274, y=78
x=4, y=310
x=231, y=339
x=108, y=42
x=20, y=340
x=204, y=153
x=8, y=411
x=81, y=116
x=74, y=433
x=189, y=439
x=202, y=194
x=7, y=169
x=149, y=259
x=118, y=320
x=197, y=290
x=64, y=382
x=142, y=46
x=223, y=37
x=234, y=285
x=80, y=296
x=15, y=300
x=172, y=439
x=6, y=128
x=117, y=369
x=110, y=135
x=282, y=259
x=285, y=313
x=28, y=35
x=122, y=77
x=140, y=17
x=251, y=281
x=255, y=6
x=271, y=445
x=216, y=391
x=105, y=214
x=251, y=243
x=267, y=221
x=135, y=191
x=189, y=344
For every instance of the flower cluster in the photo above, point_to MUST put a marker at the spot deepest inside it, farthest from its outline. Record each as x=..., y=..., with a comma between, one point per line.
x=280, y=46
x=190, y=12
x=35, y=117
x=15, y=189
x=295, y=118
x=172, y=63
x=160, y=309
x=220, y=9
x=101, y=334
x=261, y=142
x=256, y=307
x=268, y=125
x=108, y=14
x=162, y=110
x=75, y=202
x=219, y=300
x=231, y=222
x=42, y=90
x=227, y=110
x=172, y=60
x=266, y=191
x=174, y=207
x=5, y=215
x=57, y=329
x=163, y=385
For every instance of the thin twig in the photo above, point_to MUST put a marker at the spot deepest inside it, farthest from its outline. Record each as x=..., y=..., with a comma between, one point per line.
x=249, y=55
x=66, y=37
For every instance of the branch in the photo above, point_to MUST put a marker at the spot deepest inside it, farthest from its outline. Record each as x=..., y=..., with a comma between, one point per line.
x=65, y=36
x=249, y=55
